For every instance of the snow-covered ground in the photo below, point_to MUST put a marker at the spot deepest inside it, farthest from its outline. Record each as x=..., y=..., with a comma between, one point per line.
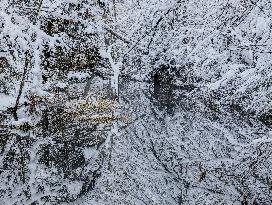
x=6, y=101
x=168, y=153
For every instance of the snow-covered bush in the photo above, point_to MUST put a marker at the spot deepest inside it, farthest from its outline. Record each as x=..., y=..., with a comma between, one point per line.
x=220, y=46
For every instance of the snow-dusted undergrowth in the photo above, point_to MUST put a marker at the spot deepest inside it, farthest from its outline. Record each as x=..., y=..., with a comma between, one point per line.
x=63, y=98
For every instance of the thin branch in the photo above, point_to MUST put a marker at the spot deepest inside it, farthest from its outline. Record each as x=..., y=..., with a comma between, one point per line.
x=27, y=61
x=38, y=11
x=119, y=36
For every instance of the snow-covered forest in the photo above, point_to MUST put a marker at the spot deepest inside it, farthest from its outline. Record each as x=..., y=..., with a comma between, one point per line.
x=116, y=102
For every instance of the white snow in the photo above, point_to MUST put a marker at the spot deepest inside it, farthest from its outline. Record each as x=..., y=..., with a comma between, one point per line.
x=6, y=101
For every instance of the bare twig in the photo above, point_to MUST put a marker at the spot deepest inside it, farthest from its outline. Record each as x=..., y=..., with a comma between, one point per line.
x=27, y=61
x=38, y=11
